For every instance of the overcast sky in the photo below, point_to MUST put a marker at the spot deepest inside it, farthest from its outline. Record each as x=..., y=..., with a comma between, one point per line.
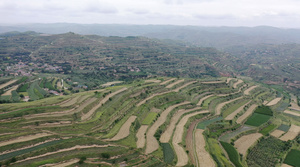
x=279, y=13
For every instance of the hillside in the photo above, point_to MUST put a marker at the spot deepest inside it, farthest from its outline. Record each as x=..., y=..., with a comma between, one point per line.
x=91, y=57
x=155, y=122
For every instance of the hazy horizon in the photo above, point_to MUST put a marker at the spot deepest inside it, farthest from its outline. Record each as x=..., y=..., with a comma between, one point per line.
x=214, y=13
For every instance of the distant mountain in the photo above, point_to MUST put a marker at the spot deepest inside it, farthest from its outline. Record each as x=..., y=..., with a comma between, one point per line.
x=219, y=37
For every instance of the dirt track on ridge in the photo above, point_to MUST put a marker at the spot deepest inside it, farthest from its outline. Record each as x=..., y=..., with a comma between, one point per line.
x=124, y=130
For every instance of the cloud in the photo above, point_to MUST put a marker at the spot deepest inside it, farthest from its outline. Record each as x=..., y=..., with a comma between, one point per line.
x=180, y=12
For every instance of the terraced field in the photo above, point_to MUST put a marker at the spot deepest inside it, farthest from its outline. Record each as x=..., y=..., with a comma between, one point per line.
x=152, y=122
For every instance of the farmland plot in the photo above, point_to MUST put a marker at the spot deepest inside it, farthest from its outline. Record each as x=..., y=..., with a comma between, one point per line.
x=152, y=143
x=235, y=85
x=291, y=134
x=8, y=93
x=182, y=157
x=183, y=86
x=166, y=135
x=202, y=99
x=292, y=158
x=7, y=84
x=245, y=142
x=125, y=129
x=140, y=135
x=24, y=138
x=274, y=101
x=277, y=133
x=292, y=113
x=247, y=91
x=203, y=156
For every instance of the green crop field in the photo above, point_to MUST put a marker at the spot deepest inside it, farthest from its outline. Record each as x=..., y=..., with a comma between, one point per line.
x=203, y=124
x=168, y=152
x=292, y=158
x=257, y=119
x=264, y=110
x=23, y=88
x=232, y=153
x=268, y=129
x=149, y=118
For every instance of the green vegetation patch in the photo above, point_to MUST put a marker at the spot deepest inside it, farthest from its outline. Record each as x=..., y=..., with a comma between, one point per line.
x=284, y=127
x=264, y=110
x=267, y=152
x=202, y=125
x=23, y=88
x=168, y=152
x=292, y=158
x=27, y=150
x=217, y=153
x=15, y=96
x=232, y=153
x=233, y=107
x=257, y=119
x=149, y=118
x=267, y=129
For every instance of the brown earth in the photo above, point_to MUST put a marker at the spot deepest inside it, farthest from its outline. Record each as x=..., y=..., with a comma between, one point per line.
x=277, y=133
x=247, y=91
x=202, y=99
x=237, y=83
x=292, y=113
x=7, y=83
x=124, y=130
x=183, y=86
x=8, y=93
x=24, y=138
x=274, y=101
x=245, y=142
x=203, y=156
x=140, y=135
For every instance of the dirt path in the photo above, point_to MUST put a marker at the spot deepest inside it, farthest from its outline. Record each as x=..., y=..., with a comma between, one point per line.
x=8, y=93
x=294, y=104
x=166, y=136
x=277, y=133
x=213, y=82
x=152, y=144
x=182, y=157
x=189, y=141
x=7, y=83
x=153, y=80
x=203, y=156
x=150, y=97
x=233, y=114
x=249, y=111
x=237, y=83
x=24, y=138
x=286, y=165
x=274, y=101
x=291, y=134
x=124, y=130
x=221, y=105
x=140, y=135
x=167, y=81
x=175, y=83
x=183, y=86
x=104, y=100
x=247, y=91
x=245, y=142
x=292, y=113
x=64, y=150
x=202, y=99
